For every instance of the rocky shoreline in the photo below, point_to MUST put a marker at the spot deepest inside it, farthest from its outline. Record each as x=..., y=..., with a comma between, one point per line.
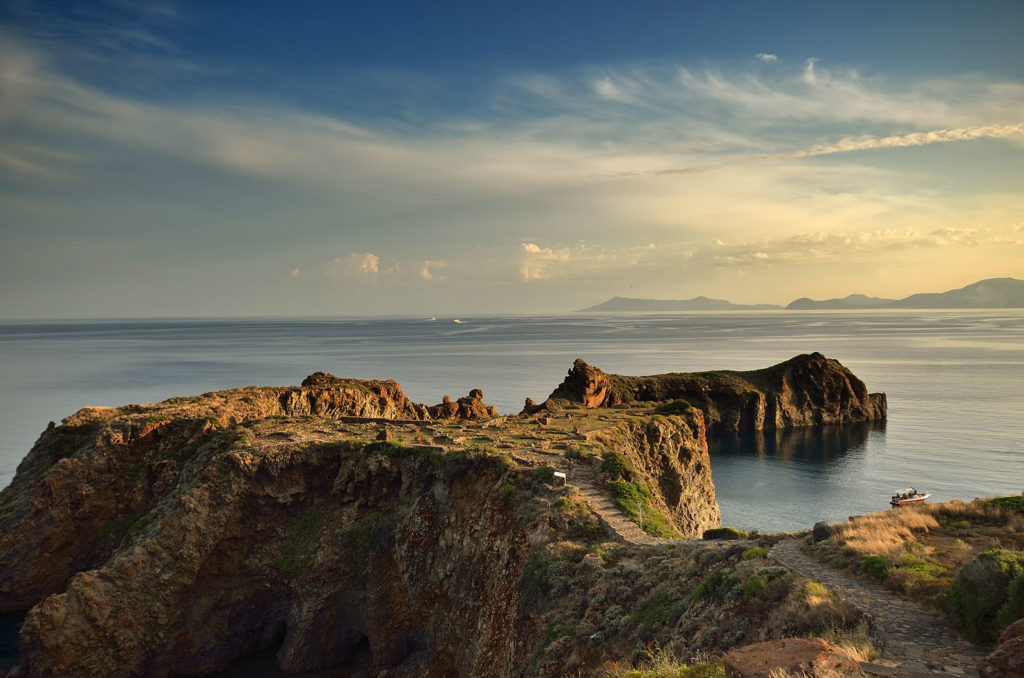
x=349, y=527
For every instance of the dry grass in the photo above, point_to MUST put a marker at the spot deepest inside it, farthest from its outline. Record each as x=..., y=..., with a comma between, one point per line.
x=915, y=550
x=977, y=511
x=886, y=532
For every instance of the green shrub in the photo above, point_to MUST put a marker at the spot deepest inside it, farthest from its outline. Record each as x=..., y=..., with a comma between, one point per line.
x=574, y=452
x=536, y=580
x=675, y=407
x=754, y=587
x=544, y=474
x=657, y=611
x=1011, y=503
x=507, y=492
x=754, y=553
x=714, y=587
x=616, y=465
x=875, y=566
x=979, y=591
x=1013, y=608
x=727, y=532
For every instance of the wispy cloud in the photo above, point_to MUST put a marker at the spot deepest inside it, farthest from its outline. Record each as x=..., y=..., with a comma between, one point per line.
x=767, y=57
x=581, y=167
x=868, y=143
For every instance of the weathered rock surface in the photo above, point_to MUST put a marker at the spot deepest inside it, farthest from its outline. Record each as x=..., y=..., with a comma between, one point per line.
x=810, y=657
x=171, y=539
x=807, y=390
x=471, y=407
x=1007, y=660
x=84, y=483
x=670, y=454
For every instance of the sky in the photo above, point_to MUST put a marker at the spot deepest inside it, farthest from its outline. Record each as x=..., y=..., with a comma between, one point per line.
x=173, y=159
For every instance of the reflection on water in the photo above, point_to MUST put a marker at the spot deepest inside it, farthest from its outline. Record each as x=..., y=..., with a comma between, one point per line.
x=10, y=624
x=790, y=479
x=814, y=445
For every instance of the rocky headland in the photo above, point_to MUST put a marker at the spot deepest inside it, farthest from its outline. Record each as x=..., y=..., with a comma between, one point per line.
x=807, y=390
x=345, y=526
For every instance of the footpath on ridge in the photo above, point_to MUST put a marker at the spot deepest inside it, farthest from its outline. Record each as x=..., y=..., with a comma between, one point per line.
x=585, y=479
x=915, y=643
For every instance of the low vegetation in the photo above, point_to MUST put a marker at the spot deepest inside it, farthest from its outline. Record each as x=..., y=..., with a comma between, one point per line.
x=961, y=558
x=636, y=501
x=727, y=532
x=666, y=611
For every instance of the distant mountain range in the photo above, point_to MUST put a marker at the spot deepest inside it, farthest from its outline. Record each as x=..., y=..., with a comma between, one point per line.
x=991, y=293
x=621, y=304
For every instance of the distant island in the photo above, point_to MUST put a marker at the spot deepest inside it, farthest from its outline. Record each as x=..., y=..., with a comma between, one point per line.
x=626, y=304
x=991, y=293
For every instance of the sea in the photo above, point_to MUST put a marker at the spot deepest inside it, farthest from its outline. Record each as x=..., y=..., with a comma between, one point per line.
x=954, y=381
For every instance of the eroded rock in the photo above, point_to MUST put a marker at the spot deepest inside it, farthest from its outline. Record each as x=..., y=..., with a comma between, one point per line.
x=810, y=657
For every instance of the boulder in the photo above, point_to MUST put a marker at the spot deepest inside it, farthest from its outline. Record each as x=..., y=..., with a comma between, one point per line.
x=1007, y=661
x=822, y=531
x=471, y=407
x=811, y=657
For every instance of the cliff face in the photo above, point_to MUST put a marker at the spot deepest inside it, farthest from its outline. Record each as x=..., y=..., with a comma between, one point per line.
x=171, y=539
x=807, y=390
x=340, y=555
x=669, y=454
x=86, y=482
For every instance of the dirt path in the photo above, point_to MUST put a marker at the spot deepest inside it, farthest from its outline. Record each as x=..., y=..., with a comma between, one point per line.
x=917, y=643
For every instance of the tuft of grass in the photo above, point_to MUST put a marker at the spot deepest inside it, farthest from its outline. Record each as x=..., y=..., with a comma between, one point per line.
x=884, y=532
x=665, y=665
x=814, y=593
x=755, y=553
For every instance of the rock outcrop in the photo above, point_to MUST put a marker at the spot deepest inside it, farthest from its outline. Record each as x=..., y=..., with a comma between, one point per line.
x=807, y=390
x=171, y=539
x=1007, y=660
x=810, y=657
x=669, y=455
x=471, y=408
x=86, y=482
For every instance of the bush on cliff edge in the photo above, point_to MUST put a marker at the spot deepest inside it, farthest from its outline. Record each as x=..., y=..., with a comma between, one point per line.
x=980, y=590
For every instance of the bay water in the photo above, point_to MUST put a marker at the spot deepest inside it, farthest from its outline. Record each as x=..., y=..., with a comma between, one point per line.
x=954, y=380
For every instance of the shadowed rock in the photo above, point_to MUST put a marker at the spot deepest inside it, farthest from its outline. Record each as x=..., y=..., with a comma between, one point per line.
x=807, y=390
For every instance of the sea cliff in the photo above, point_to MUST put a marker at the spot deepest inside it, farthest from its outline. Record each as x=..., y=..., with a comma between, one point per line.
x=807, y=390
x=346, y=526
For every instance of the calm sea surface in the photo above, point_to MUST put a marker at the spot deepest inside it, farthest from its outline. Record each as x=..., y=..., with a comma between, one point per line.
x=955, y=383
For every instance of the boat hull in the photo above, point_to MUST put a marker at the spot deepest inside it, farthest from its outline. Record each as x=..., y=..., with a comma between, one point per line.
x=913, y=500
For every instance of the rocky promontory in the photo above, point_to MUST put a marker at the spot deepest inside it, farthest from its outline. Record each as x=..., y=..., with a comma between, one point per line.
x=342, y=525
x=807, y=390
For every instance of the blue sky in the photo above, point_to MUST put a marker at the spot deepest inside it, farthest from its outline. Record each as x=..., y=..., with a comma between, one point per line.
x=325, y=158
